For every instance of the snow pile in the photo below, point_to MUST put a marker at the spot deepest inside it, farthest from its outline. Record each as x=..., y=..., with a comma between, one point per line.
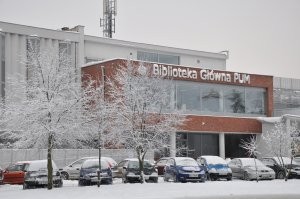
x=162, y=190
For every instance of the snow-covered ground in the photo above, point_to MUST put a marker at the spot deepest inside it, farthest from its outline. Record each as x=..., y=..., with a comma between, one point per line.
x=162, y=190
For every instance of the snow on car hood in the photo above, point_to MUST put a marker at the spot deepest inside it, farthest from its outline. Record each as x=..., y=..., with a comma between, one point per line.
x=187, y=168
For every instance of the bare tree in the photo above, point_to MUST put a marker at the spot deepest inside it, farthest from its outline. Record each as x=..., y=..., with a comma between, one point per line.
x=44, y=108
x=251, y=146
x=145, y=118
x=281, y=142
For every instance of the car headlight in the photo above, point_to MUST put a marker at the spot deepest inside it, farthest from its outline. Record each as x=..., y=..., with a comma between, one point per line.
x=181, y=171
x=250, y=169
x=130, y=174
x=229, y=170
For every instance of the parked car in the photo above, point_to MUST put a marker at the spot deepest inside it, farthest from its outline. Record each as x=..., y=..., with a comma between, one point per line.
x=14, y=174
x=160, y=165
x=88, y=172
x=71, y=172
x=274, y=163
x=245, y=168
x=216, y=167
x=37, y=175
x=184, y=169
x=129, y=171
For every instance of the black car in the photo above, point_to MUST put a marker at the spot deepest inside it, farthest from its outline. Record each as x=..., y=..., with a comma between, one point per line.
x=276, y=164
x=36, y=175
x=88, y=173
x=129, y=171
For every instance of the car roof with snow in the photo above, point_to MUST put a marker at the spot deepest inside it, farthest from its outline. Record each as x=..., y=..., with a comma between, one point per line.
x=36, y=165
x=212, y=159
x=135, y=159
x=182, y=158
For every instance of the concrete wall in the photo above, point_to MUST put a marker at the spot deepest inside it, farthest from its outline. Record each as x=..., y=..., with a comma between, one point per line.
x=63, y=157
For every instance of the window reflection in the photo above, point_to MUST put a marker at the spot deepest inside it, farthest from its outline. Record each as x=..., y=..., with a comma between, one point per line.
x=255, y=100
x=188, y=96
x=212, y=99
x=194, y=97
x=234, y=100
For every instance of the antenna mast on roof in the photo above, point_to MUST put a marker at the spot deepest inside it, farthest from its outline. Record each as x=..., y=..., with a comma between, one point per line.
x=108, y=20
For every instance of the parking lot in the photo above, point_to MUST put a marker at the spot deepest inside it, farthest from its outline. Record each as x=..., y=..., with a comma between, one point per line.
x=209, y=189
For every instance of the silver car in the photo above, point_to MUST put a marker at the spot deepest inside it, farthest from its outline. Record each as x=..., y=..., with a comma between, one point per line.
x=71, y=172
x=245, y=168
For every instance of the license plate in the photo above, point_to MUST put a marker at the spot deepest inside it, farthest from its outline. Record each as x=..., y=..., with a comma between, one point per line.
x=146, y=177
x=193, y=175
x=43, y=180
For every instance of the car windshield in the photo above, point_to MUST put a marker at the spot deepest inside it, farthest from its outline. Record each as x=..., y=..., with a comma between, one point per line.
x=285, y=160
x=215, y=160
x=135, y=164
x=187, y=162
x=251, y=163
x=17, y=167
x=94, y=164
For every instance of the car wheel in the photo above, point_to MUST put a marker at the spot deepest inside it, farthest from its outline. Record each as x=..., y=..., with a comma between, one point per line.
x=246, y=176
x=165, y=178
x=65, y=175
x=175, y=178
x=25, y=185
x=81, y=183
x=280, y=175
x=212, y=177
x=229, y=178
x=124, y=180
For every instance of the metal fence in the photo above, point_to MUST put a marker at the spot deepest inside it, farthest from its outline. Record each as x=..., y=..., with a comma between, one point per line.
x=63, y=157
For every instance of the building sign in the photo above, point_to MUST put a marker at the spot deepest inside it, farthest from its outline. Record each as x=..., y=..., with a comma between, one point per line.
x=169, y=71
x=203, y=74
x=211, y=75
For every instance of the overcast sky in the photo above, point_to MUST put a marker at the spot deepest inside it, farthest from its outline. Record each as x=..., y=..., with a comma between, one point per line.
x=262, y=36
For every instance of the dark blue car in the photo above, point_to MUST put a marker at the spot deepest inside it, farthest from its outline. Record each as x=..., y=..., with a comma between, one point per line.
x=216, y=167
x=88, y=172
x=184, y=169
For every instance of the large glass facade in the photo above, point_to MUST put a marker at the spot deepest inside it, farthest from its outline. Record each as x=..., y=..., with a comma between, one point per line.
x=188, y=97
x=211, y=98
x=234, y=99
x=216, y=99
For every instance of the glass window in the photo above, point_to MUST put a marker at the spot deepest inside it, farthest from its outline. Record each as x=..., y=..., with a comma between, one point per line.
x=211, y=98
x=146, y=56
x=157, y=57
x=188, y=96
x=255, y=103
x=197, y=98
x=234, y=100
x=33, y=50
x=168, y=59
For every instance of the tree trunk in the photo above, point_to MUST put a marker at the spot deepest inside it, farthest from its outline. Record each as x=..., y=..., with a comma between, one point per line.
x=141, y=155
x=49, y=162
